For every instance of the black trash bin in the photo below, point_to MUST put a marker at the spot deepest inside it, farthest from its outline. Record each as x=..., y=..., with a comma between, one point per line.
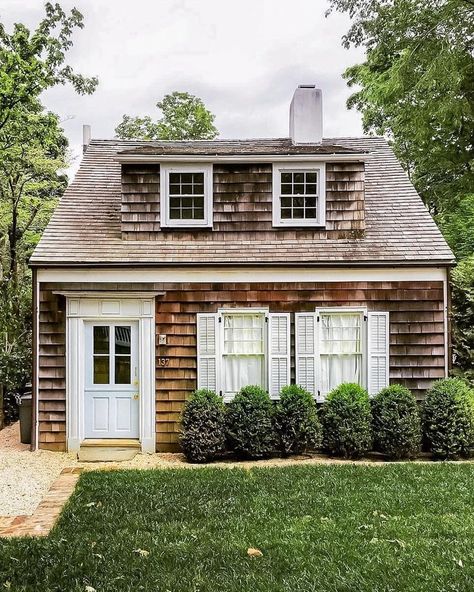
x=25, y=418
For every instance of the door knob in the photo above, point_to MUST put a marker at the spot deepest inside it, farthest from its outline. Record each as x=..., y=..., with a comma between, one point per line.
x=136, y=396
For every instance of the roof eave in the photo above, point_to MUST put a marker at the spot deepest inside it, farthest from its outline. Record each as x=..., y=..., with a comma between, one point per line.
x=367, y=263
x=251, y=158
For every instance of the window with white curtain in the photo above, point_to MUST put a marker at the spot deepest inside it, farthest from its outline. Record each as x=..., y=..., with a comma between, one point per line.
x=340, y=349
x=243, y=353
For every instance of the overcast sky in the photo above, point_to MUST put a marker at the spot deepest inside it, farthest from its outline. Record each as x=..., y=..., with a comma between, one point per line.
x=244, y=58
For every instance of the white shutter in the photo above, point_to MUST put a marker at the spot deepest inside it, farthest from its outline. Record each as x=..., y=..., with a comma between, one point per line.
x=305, y=330
x=378, y=351
x=278, y=352
x=207, y=351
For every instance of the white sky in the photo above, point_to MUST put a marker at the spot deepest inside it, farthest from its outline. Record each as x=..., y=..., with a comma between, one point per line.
x=244, y=58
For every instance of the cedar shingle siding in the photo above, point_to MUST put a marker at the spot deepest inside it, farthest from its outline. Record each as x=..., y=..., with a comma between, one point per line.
x=243, y=204
x=416, y=337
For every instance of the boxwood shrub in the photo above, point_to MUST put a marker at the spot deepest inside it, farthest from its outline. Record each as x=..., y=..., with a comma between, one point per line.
x=346, y=419
x=296, y=421
x=250, y=430
x=448, y=419
x=396, y=422
x=203, y=426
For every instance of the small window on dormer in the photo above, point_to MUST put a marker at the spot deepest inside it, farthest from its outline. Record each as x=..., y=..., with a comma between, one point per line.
x=299, y=194
x=186, y=195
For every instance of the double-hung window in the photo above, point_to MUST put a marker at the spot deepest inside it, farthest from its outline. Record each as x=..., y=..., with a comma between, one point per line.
x=186, y=195
x=299, y=194
x=341, y=345
x=241, y=347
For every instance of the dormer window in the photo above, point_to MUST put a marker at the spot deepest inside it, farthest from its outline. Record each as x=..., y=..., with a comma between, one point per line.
x=299, y=194
x=186, y=195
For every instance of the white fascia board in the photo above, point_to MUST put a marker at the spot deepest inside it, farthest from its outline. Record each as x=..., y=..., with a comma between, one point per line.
x=240, y=274
x=252, y=158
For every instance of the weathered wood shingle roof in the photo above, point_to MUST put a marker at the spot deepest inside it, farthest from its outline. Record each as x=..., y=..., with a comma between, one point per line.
x=85, y=228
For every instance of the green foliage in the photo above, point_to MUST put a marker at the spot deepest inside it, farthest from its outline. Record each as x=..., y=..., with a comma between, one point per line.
x=185, y=117
x=457, y=226
x=396, y=422
x=203, y=426
x=346, y=420
x=34, y=61
x=448, y=419
x=296, y=421
x=250, y=430
x=404, y=91
x=32, y=158
x=463, y=317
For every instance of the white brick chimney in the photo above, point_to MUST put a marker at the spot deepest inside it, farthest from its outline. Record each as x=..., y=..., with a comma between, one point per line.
x=306, y=115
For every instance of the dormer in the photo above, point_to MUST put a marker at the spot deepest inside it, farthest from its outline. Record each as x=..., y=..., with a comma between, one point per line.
x=302, y=185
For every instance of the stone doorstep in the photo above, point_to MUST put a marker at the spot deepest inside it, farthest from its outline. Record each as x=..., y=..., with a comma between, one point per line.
x=47, y=512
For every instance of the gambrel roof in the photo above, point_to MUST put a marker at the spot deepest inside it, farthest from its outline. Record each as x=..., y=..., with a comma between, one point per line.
x=86, y=226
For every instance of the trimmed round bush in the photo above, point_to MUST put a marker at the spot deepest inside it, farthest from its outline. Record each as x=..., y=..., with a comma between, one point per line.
x=448, y=419
x=296, y=421
x=250, y=430
x=203, y=426
x=346, y=419
x=396, y=422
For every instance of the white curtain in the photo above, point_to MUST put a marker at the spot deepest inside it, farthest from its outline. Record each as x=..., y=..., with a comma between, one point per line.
x=244, y=351
x=340, y=350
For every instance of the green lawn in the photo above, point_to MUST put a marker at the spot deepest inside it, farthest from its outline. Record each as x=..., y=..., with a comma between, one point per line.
x=347, y=528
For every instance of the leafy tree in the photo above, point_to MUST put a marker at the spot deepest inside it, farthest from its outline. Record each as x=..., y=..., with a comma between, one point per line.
x=463, y=317
x=417, y=87
x=33, y=61
x=185, y=117
x=32, y=156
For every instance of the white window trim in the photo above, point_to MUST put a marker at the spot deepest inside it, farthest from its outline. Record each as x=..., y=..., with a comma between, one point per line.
x=220, y=345
x=165, y=170
x=320, y=397
x=278, y=168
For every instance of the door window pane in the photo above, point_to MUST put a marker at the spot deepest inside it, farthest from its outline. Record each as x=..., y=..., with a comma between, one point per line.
x=123, y=355
x=122, y=370
x=122, y=340
x=101, y=340
x=101, y=369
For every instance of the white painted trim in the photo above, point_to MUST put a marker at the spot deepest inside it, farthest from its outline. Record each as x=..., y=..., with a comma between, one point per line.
x=107, y=294
x=240, y=274
x=77, y=311
x=446, y=323
x=36, y=317
x=320, y=169
x=174, y=167
x=252, y=158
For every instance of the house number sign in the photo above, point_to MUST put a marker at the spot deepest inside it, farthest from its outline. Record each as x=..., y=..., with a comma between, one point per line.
x=163, y=361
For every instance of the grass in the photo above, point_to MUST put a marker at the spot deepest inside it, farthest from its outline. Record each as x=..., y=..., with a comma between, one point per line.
x=320, y=528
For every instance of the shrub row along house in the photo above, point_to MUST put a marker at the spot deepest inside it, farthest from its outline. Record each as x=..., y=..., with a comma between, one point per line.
x=171, y=266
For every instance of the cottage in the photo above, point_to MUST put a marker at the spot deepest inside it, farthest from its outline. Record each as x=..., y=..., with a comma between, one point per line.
x=174, y=265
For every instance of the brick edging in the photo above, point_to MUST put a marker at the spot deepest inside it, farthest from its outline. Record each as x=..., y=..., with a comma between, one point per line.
x=46, y=513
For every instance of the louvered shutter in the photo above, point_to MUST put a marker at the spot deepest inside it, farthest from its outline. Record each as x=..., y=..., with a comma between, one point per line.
x=378, y=351
x=207, y=351
x=278, y=352
x=305, y=331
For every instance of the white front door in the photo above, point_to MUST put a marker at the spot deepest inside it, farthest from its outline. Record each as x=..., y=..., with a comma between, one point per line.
x=111, y=382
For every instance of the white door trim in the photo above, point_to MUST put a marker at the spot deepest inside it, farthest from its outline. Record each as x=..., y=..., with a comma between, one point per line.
x=116, y=307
